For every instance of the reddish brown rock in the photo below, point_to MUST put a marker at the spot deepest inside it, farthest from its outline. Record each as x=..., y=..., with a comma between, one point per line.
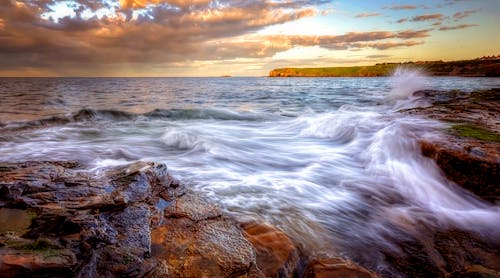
x=194, y=240
x=40, y=258
x=471, y=164
x=276, y=253
x=207, y=248
x=336, y=268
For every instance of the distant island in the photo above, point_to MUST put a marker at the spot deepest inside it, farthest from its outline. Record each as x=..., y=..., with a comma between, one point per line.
x=488, y=66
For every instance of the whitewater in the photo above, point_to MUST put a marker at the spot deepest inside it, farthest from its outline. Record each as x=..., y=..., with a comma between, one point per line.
x=331, y=161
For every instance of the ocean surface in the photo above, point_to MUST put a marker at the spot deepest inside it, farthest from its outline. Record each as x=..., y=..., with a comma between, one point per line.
x=330, y=161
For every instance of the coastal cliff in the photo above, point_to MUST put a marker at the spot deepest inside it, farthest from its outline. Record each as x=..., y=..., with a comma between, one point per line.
x=477, y=68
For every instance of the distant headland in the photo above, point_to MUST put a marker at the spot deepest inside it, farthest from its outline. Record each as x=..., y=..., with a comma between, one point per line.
x=488, y=66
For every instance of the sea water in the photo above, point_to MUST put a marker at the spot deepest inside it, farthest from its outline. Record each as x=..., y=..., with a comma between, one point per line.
x=331, y=161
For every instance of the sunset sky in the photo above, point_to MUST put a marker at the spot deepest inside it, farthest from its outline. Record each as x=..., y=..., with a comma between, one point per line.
x=239, y=38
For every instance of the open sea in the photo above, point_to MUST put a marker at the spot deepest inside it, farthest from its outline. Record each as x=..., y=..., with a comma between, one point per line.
x=330, y=161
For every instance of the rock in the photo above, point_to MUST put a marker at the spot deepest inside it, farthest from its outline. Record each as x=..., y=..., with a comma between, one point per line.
x=196, y=241
x=276, y=254
x=194, y=207
x=468, y=152
x=39, y=258
x=446, y=253
x=132, y=221
x=101, y=225
x=335, y=267
x=206, y=248
x=479, y=174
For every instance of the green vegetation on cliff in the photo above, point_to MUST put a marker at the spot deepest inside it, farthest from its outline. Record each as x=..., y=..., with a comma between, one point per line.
x=476, y=67
x=367, y=71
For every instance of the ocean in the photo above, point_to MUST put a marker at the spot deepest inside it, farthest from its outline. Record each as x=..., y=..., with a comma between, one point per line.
x=331, y=161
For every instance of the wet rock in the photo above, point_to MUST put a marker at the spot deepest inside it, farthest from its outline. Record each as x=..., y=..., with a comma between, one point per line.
x=478, y=173
x=335, y=267
x=40, y=258
x=194, y=207
x=100, y=225
x=194, y=240
x=468, y=151
x=446, y=253
x=131, y=221
x=276, y=254
x=206, y=248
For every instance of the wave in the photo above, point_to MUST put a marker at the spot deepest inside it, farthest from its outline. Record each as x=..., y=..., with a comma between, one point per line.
x=183, y=140
x=405, y=81
x=93, y=115
x=197, y=114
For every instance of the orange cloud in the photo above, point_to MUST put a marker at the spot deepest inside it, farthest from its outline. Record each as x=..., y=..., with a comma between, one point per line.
x=402, y=7
x=464, y=14
x=366, y=15
x=426, y=17
x=457, y=27
x=137, y=4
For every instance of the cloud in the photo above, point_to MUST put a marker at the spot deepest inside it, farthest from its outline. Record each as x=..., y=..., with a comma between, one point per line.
x=125, y=36
x=386, y=45
x=137, y=4
x=366, y=15
x=464, y=14
x=378, y=56
x=457, y=27
x=426, y=17
x=159, y=34
x=376, y=39
x=401, y=7
x=453, y=2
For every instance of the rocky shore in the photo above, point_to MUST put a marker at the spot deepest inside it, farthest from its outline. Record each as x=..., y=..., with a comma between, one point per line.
x=59, y=220
x=134, y=221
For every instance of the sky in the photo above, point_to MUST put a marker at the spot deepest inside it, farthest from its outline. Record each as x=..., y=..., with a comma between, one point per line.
x=236, y=37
